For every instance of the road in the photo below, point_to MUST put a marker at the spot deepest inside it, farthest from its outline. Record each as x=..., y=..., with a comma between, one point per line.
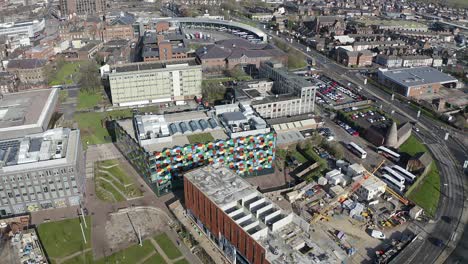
x=448, y=154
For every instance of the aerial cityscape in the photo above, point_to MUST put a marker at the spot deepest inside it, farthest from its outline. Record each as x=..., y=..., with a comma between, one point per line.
x=233, y=131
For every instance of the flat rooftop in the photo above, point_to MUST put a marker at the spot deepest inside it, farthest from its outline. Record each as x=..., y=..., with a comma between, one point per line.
x=26, y=110
x=158, y=132
x=408, y=77
x=284, y=235
x=142, y=66
x=52, y=147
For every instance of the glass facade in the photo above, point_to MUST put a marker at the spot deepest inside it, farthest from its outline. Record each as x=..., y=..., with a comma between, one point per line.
x=161, y=169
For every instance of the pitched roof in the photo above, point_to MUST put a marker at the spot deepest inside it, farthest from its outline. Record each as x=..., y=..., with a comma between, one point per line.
x=26, y=64
x=236, y=48
x=423, y=157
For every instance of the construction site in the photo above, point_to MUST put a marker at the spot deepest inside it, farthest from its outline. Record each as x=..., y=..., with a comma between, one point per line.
x=357, y=209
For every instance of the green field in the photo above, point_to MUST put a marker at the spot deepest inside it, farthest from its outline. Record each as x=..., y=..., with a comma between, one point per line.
x=427, y=191
x=63, y=238
x=86, y=258
x=62, y=76
x=182, y=261
x=87, y=100
x=167, y=246
x=156, y=258
x=131, y=254
x=300, y=158
x=92, y=127
x=412, y=146
x=200, y=138
x=120, y=179
x=103, y=189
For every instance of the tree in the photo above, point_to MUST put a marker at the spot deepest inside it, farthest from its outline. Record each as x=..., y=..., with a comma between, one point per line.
x=100, y=60
x=212, y=91
x=88, y=77
x=49, y=73
x=237, y=73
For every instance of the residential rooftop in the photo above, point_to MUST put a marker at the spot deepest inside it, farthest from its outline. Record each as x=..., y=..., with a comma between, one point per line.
x=53, y=147
x=26, y=111
x=407, y=77
x=26, y=64
x=284, y=235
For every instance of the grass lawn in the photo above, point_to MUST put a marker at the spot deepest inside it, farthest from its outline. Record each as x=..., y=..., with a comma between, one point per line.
x=300, y=158
x=91, y=128
x=132, y=254
x=167, y=246
x=156, y=258
x=182, y=261
x=427, y=191
x=102, y=191
x=117, y=171
x=120, y=179
x=200, y=138
x=63, y=238
x=86, y=258
x=281, y=153
x=412, y=146
x=88, y=100
x=62, y=76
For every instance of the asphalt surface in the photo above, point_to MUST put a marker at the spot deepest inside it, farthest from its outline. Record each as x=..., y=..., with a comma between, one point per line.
x=449, y=155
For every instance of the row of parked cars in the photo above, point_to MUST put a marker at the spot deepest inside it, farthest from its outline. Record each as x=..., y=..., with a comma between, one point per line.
x=348, y=92
x=371, y=116
x=348, y=128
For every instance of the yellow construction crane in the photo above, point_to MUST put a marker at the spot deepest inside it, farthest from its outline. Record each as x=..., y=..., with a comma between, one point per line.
x=349, y=191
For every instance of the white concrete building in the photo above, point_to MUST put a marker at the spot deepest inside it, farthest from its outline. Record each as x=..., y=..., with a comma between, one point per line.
x=41, y=171
x=145, y=83
x=371, y=188
x=28, y=28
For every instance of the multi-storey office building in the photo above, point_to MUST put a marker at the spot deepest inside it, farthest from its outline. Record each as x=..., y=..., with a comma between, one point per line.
x=155, y=82
x=287, y=84
x=248, y=227
x=161, y=147
x=26, y=112
x=28, y=29
x=41, y=171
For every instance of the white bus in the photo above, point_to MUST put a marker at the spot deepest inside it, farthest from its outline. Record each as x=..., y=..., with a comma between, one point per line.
x=395, y=157
x=353, y=147
x=393, y=183
x=409, y=177
x=394, y=174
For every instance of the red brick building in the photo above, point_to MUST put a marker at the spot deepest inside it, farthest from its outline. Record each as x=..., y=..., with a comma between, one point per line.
x=164, y=47
x=229, y=53
x=241, y=222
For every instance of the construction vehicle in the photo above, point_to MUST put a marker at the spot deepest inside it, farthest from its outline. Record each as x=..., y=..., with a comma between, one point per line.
x=323, y=213
x=396, y=195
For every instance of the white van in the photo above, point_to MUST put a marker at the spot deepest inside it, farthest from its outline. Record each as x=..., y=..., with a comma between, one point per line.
x=377, y=234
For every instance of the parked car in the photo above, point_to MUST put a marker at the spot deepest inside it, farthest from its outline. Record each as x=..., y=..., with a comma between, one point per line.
x=377, y=234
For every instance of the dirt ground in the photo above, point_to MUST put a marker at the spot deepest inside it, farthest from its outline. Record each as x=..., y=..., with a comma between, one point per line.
x=359, y=238
x=122, y=227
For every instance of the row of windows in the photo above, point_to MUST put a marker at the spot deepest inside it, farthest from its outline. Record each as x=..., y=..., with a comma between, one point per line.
x=37, y=174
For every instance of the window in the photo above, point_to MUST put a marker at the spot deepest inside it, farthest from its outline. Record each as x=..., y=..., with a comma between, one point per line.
x=45, y=189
